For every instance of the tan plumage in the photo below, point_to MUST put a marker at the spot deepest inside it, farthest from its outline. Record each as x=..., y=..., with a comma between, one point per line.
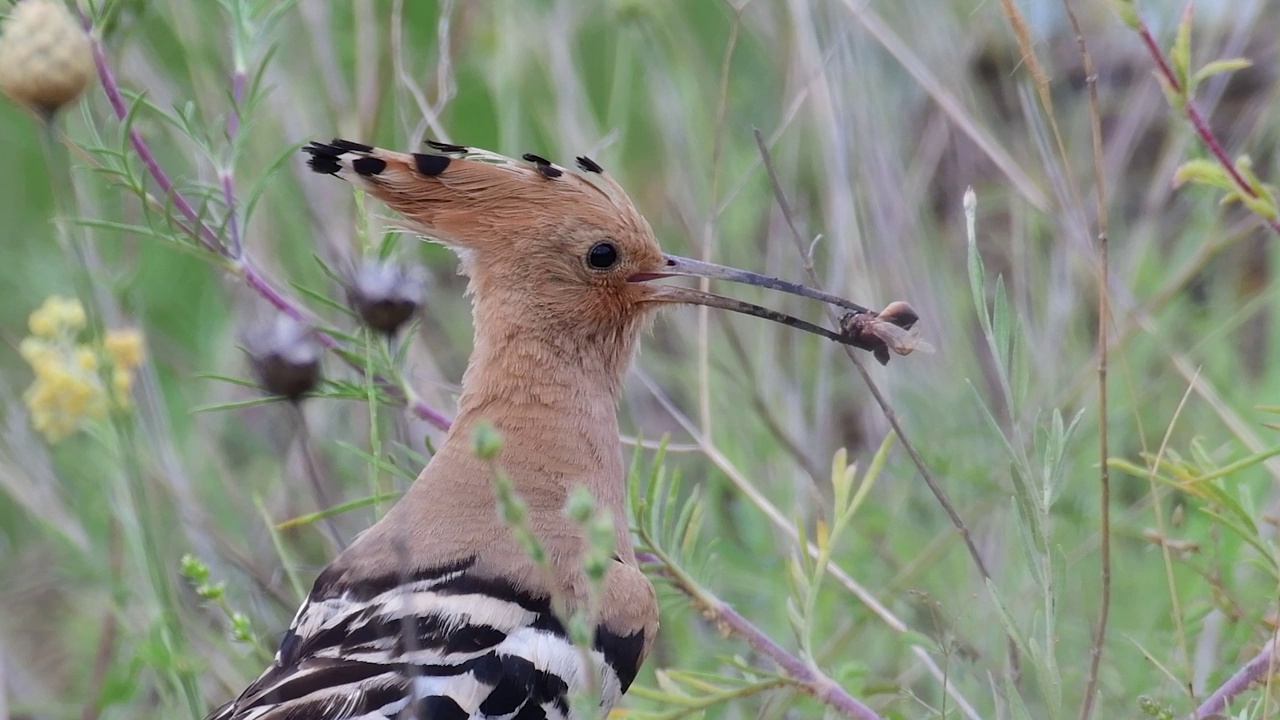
x=436, y=612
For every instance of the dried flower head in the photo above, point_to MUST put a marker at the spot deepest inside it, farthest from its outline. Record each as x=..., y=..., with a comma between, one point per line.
x=57, y=316
x=124, y=347
x=386, y=294
x=71, y=387
x=46, y=59
x=285, y=357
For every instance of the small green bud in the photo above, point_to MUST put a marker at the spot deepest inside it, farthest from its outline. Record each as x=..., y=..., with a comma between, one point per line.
x=211, y=592
x=241, y=632
x=194, y=569
x=600, y=546
x=600, y=533
x=511, y=505
x=514, y=511
x=486, y=441
x=579, y=630
x=595, y=567
x=581, y=505
x=536, y=553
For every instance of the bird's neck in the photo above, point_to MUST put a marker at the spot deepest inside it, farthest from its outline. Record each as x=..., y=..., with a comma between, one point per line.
x=553, y=399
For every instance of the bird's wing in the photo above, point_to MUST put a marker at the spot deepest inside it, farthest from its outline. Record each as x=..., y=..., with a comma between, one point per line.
x=442, y=644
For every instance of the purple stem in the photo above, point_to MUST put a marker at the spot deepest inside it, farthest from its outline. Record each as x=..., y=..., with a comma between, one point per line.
x=206, y=236
x=1197, y=120
x=810, y=680
x=1265, y=660
x=1259, y=667
x=282, y=303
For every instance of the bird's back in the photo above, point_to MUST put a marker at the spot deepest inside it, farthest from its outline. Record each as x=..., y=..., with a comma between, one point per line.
x=441, y=644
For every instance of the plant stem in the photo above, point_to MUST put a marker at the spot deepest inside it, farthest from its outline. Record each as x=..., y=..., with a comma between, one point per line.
x=1104, y=318
x=227, y=173
x=125, y=446
x=157, y=567
x=1262, y=665
x=1197, y=120
x=105, y=654
x=203, y=234
x=709, y=228
x=375, y=439
x=206, y=237
x=805, y=676
x=312, y=469
x=935, y=487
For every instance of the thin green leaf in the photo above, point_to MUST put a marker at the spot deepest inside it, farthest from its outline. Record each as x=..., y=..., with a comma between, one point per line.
x=250, y=201
x=381, y=463
x=1217, y=67
x=1241, y=464
x=1047, y=676
x=286, y=558
x=1016, y=704
x=1031, y=547
x=236, y=405
x=1006, y=619
x=321, y=298
x=1180, y=55
x=227, y=379
x=1001, y=332
x=1173, y=678
x=1264, y=552
x=1202, y=172
x=338, y=509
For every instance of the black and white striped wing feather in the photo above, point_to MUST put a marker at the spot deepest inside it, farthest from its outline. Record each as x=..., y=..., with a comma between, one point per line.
x=440, y=645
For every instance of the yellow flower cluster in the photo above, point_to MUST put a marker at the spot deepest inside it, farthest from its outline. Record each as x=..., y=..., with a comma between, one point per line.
x=69, y=386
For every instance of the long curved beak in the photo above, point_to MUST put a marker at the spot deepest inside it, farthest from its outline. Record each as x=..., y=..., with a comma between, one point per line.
x=677, y=266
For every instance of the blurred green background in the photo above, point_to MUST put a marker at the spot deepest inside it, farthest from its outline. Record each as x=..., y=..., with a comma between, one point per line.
x=879, y=115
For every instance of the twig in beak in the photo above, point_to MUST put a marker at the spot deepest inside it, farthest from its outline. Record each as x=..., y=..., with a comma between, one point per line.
x=688, y=296
x=878, y=333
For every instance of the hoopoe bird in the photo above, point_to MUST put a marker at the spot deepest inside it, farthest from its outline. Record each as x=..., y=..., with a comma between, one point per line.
x=436, y=612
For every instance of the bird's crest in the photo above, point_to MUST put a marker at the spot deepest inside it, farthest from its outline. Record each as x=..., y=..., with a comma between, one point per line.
x=463, y=195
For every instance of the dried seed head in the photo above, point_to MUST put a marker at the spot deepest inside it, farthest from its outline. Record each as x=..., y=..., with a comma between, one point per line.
x=386, y=295
x=285, y=357
x=46, y=59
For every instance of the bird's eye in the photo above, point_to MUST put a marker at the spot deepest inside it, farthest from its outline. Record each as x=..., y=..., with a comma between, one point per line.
x=602, y=256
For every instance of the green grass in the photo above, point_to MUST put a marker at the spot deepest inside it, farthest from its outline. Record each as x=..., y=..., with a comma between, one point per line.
x=875, y=143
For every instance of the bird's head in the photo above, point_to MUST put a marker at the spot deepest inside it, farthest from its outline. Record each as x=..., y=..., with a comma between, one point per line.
x=549, y=249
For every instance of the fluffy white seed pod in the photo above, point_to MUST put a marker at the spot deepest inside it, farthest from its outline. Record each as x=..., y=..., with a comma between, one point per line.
x=46, y=59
